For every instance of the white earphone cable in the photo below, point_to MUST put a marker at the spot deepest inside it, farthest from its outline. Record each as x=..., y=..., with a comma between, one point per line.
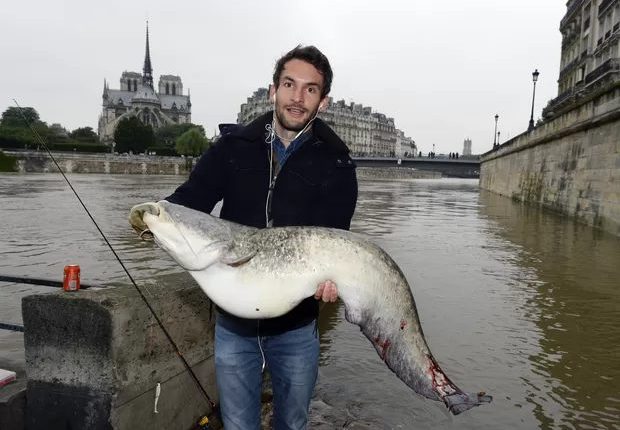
x=270, y=137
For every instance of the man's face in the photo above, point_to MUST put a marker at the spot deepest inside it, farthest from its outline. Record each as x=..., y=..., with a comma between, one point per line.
x=298, y=95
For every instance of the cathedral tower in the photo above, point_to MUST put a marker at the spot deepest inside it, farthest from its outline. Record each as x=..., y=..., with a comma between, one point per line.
x=138, y=97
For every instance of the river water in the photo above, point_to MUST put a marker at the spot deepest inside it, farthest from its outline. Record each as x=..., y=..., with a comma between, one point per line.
x=515, y=301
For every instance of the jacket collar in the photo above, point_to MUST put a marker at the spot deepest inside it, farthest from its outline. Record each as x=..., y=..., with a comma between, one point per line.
x=257, y=129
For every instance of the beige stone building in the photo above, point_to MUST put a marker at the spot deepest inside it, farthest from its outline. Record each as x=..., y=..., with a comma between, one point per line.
x=590, y=50
x=467, y=147
x=570, y=162
x=138, y=97
x=366, y=133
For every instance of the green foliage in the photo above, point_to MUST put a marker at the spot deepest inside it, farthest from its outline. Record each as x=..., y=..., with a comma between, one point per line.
x=56, y=133
x=167, y=136
x=84, y=134
x=192, y=142
x=14, y=137
x=16, y=134
x=7, y=163
x=12, y=117
x=132, y=135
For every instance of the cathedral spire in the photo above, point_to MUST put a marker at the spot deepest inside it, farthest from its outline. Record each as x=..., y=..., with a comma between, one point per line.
x=147, y=71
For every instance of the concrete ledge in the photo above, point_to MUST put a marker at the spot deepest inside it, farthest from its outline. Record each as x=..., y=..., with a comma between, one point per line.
x=94, y=358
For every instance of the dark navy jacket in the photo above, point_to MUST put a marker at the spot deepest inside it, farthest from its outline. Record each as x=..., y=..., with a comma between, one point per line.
x=317, y=186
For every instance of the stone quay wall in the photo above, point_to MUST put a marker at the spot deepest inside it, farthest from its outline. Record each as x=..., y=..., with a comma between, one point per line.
x=570, y=163
x=94, y=358
x=390, y=173
x=40, y=162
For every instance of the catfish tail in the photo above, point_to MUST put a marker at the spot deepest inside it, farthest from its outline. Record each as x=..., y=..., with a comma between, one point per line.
x=460, y=402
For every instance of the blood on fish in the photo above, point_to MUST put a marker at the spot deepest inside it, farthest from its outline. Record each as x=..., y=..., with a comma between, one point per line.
x=403, y=324
x=440, y=382
x=384, y=345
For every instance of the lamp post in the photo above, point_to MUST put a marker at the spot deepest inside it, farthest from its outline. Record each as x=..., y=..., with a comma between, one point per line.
x=495, y=132
x=498, y=138
x=534, y=79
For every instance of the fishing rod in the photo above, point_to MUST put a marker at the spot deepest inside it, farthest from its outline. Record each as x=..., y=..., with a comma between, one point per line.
x=11, y=327
x=142, y=296
x=41, y=281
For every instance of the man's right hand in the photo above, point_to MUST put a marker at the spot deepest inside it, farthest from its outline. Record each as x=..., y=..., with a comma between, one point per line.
x=135, y=219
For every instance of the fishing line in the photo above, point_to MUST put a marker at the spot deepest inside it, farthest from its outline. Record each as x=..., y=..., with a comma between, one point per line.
x=142, y=296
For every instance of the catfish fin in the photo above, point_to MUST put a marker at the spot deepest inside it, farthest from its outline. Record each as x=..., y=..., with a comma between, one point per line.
x=238, y=253
x=234, y=260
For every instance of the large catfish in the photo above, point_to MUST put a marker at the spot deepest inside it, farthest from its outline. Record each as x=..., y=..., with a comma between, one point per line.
x=264, y=273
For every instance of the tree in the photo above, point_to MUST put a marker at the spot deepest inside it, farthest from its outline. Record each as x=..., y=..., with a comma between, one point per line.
x=57, y=134
x=192, y=142
x=132, y=135
x=13, y=117
x=15, y=131
x=167, y=135
x=84, y=134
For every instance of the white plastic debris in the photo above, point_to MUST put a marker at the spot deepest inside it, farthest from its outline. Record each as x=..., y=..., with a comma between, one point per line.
x=157, y=393
x=6, y=377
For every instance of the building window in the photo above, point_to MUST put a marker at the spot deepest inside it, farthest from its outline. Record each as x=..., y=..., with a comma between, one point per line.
x=580, y=73
x=174, y=89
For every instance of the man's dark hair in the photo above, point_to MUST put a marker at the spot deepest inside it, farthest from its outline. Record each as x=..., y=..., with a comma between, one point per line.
x=309, y=54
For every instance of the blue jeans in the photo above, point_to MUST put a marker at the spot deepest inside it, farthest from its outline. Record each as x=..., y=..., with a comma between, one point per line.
x=293, y=361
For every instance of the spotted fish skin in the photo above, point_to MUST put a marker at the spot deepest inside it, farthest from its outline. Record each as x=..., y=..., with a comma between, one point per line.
x=264, y=273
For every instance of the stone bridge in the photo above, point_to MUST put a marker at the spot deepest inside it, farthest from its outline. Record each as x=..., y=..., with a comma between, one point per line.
x=452, y=168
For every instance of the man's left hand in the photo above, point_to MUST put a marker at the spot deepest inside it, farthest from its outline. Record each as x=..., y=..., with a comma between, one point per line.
x=327, y=291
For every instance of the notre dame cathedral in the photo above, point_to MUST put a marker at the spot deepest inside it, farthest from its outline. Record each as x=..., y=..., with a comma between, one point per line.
x=137, y=97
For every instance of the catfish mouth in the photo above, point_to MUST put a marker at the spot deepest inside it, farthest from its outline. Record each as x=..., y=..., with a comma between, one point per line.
x=147, y=235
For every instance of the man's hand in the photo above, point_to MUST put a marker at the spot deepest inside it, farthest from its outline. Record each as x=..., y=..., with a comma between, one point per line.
x=136, y=222
x=327, y=291
x=135, y=219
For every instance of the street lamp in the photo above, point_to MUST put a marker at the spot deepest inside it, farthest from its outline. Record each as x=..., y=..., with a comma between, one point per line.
x=534, y=79
x=495, y=132
x=498, y=138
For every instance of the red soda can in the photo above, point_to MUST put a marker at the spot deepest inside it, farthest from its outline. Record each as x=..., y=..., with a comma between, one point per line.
x=71, y=280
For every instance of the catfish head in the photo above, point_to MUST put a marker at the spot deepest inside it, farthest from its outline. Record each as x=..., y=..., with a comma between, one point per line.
x=194, y=239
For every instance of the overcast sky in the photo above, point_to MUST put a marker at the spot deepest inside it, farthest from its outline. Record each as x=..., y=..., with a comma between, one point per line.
x=441, y=69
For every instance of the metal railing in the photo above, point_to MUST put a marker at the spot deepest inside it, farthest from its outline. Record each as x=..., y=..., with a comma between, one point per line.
x=604, y=5
x=608, y=66
x=572, y=8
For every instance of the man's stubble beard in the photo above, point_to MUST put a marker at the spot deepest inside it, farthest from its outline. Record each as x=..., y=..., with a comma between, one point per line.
x=292, y=127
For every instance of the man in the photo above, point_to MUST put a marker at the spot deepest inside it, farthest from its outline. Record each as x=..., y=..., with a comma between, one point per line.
x=285, y=168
